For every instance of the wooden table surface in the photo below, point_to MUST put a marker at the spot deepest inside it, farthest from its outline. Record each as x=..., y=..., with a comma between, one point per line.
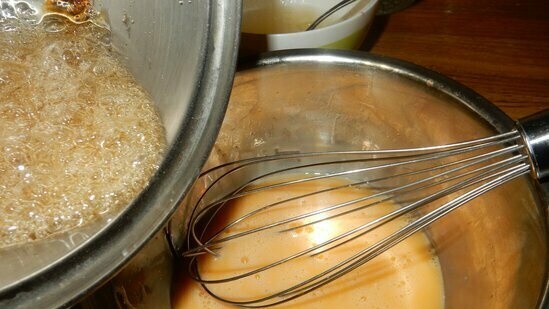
x=499, y=48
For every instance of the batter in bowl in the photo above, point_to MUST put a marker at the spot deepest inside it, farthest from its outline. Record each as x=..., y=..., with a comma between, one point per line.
x=406, y=276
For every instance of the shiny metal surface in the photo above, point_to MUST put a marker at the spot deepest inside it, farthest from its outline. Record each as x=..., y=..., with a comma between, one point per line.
x=535, y=131
x=493, y=252
x=184, y=55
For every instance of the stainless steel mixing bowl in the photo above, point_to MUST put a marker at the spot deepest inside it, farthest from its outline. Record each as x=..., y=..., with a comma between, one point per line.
x=183, y=53
x=493, y=251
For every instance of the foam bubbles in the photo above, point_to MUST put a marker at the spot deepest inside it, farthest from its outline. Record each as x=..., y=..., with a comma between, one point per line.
x=78, y=137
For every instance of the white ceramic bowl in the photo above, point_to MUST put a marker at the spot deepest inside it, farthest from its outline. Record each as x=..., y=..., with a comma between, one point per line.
x=272, y=24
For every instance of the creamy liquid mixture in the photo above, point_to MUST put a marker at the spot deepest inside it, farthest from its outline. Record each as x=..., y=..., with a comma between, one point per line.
x=78, y=137
x=406, y=276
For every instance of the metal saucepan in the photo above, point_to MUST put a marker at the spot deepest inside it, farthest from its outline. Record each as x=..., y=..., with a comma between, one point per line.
x=183, y=53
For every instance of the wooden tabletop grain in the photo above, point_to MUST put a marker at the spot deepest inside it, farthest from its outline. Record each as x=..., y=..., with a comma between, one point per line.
x=499, y=48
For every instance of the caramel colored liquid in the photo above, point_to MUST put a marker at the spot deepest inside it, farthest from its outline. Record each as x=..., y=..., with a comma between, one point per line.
x=79, y=138
x=406, y=276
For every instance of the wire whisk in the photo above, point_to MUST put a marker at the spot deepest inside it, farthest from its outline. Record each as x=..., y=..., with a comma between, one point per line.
x=435, y=179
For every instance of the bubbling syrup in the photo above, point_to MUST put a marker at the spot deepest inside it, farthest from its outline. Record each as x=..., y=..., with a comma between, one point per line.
x=79, y=138
x=77, y=10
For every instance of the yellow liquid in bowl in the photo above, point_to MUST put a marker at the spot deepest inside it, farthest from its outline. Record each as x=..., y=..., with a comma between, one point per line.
x=273, y=18
x=406, y=276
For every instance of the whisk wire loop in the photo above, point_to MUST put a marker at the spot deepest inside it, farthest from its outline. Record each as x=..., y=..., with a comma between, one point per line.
x=484, y=173
x=366, y=255
x=240, y=193
x=441, y=178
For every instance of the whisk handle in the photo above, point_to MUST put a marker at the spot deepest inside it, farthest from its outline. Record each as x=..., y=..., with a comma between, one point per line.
x=535, y=133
